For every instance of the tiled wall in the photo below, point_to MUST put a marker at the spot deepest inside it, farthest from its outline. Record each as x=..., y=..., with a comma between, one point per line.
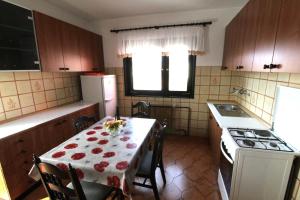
x=211, y=83
x=262, y=88
x=27, y=92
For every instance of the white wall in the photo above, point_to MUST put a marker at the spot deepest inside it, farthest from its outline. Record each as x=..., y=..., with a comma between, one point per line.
x=51, y=10
x=221, y=18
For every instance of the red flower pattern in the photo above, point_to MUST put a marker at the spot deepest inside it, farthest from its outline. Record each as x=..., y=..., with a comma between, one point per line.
x=113, y=181
x=91, y=139
x=125, y=138
x=109, y=154
x=71, y=146
x=131, y=145
x=62, y=166
x=98, y=127
x=122, y=165
x=103, y=142
x=104, y=133
x=91, y=132
x=100, y=167
x=96, y=150
x=78, y=156
x=79, y=173
x=58, y=154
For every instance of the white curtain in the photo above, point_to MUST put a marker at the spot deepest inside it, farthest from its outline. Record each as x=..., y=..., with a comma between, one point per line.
x=192, y=37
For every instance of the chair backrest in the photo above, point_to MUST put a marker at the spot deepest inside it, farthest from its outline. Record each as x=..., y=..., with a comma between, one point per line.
x=158, y=147
x=142, y=109
x=84, y=122
x=53, y=180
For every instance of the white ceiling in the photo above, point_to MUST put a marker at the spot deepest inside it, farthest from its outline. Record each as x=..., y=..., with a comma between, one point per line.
x=106, y=9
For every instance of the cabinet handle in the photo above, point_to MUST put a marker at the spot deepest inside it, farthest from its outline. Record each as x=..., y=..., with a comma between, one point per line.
x=61, y=69
x=57, y=124
x=274, y=66
x=20, y=141
x=266, y=66
x=224, y=68
x=239, y=67
x=23, y=151
x=67, y=68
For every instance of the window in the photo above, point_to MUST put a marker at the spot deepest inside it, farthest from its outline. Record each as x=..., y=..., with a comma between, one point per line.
x=148, y=73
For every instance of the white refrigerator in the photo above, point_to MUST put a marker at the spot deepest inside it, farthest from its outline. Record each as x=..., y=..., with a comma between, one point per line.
x=101, y=89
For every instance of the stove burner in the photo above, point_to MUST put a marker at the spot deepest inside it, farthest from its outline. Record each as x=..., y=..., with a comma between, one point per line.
x=249, y=143
x=273, y=144
x=262, y=133
x=240, y=132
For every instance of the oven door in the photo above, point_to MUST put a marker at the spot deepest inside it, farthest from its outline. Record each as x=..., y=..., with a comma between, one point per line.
x=226, y=167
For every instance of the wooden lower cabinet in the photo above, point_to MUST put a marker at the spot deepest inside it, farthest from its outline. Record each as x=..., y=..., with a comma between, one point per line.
x=215, y=133
x=16, y=150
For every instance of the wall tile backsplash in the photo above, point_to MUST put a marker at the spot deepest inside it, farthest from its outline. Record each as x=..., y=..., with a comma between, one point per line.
x=262, y=90
x=210, y=83
x=27, y=92
x=215, y=84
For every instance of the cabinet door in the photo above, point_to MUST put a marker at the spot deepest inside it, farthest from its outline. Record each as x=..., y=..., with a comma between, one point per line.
x=287, y=48
x=86, y=51
x=49, y=42
x=250, y=31
x=238, y=31
x=269, y=11
x=70, y=46
x=215, y=133
x=227, y=47
x=97, y=49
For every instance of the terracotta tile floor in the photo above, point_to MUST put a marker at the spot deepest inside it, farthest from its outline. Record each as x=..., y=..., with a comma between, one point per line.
x=190, y=172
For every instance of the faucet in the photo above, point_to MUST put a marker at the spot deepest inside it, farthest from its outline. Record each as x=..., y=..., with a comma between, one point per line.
x=241, y=91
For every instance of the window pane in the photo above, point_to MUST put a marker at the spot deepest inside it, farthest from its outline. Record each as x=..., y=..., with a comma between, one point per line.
x=146, y=69
x=178, y=69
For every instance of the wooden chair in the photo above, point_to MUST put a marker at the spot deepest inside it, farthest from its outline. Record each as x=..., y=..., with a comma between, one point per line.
x=84, y=122
x=53, y=180
x=150, y=162
x=143, y=109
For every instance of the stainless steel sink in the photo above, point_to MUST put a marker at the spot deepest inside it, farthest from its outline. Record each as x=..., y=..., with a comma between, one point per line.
x=231, y=110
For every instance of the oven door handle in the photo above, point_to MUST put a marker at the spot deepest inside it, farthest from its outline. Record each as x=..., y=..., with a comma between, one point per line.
x=225, y=154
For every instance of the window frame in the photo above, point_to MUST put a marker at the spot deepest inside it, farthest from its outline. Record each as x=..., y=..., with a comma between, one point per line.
x=129, y=91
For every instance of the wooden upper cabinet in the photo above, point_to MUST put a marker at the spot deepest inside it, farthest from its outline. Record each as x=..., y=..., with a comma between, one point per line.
x=65, y=47
x=250, y=26
x=49, y=42
x=97, y=49
x=70, y=46
x=287, y=48
x=268, y=16
x=86, y=51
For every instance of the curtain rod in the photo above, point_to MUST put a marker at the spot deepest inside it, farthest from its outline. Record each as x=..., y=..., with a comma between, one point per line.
x=161, y=26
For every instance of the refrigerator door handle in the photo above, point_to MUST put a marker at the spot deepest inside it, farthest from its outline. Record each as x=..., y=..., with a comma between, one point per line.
x=108, y=99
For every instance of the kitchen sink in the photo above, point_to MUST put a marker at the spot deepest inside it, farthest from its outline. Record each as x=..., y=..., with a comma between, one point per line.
x=231, y=110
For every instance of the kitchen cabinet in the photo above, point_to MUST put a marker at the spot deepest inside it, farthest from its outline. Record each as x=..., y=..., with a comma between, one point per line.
x=98, y=57
x=70, y=46
x=250, y=25
x=268, y=16
x=65, y=47
x=16, y=150
x=86, y=51
x=215, y=133
x=49, y=42
x=287, y=47
x=271, y=37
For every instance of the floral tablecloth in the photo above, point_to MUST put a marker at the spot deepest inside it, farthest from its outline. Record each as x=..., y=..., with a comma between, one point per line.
x=101, y=158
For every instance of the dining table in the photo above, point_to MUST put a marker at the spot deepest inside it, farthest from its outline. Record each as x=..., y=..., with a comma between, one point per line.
x=102, y=158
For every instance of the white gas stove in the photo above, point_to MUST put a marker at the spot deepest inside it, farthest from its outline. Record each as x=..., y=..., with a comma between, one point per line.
x=256, y=164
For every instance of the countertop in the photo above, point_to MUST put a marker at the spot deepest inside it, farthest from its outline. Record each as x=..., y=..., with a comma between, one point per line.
x=36, y=119
x=236, y=122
